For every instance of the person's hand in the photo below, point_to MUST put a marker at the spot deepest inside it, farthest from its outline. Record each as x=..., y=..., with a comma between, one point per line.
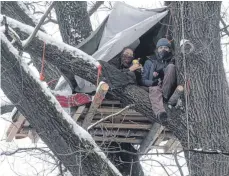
x=135, y=67
x=155, y=74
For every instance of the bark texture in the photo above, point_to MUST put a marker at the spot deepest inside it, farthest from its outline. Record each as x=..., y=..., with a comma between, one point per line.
x=75, y=26
x=126, y=163
x=13, y=10
x=208, y=105
x=74, y=151
x=73, y=20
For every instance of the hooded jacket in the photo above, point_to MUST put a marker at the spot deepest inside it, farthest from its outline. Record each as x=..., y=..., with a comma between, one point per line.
x=154, y=64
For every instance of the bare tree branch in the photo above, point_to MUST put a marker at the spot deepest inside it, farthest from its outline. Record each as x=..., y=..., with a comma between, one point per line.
x=50, y=20
x=105, y=118
x=225, y=26
x=95, y=7
x=177, y=163
x=27, y=41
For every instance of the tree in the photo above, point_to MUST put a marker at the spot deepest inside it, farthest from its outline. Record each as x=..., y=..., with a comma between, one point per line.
x=208, y=105
x=207, y=89
x=75, y=25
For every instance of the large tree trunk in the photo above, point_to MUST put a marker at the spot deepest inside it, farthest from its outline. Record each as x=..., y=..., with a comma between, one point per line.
x=72, y=145
x=75, y=26
x=208, y=105
x=73, y=20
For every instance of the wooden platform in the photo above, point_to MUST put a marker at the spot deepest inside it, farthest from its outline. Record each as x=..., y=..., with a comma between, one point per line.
x=126, y=127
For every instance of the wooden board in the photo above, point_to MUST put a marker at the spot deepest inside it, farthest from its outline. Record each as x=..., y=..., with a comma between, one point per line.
x=153, y=134
x=124, y=126
x=78, y=112
x=115, y=139
x=126, y=118
x=119, y=132
x=96, y=102
x=115, y=110
x=15, y=128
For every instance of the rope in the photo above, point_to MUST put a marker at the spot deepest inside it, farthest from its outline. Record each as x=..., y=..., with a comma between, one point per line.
x=98, y=74
x=186, y=84
x=167, y=32
x=42, y=77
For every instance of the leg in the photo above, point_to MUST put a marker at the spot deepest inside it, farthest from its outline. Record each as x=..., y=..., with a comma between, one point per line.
x=156, y=99
x=169, y=81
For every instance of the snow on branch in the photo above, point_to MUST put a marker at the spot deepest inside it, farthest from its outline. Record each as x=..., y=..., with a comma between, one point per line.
x=27, y=11
x=57, y=114
x=52, y=41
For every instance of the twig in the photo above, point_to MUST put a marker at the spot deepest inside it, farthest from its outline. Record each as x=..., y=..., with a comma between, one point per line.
x=225, y=26
x=177, y=163
x=50, y=20
x=131, y=166
x=105, y=118
x=29, y=39
x=95, y=7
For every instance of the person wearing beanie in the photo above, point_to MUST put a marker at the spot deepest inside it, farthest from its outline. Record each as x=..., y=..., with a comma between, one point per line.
x=159, y=74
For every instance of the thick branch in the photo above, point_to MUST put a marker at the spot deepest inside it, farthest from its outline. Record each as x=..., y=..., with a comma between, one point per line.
x=68, y=141
x=6, y=108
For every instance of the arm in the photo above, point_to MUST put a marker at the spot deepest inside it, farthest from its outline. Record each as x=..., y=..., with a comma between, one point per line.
x=146, y=74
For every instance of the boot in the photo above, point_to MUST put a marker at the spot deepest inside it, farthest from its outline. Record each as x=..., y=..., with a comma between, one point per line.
x=176, y=95
x=163, y=118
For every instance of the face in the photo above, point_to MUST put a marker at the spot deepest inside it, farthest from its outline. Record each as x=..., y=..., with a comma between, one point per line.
x=127, y=56
x=161, y=48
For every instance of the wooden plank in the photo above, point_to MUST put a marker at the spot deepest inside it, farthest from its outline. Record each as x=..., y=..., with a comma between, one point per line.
x=126, y=118
x=115, y=110
x=115, y=139
x=168, y=144
x=124, y=126
x=14, y=128
x=96, y=102
x=120, y=132
x=159, y=139
x=171, y=145
x=78, y=112
x=153, y=134
x=33, y=136
x=111, y=102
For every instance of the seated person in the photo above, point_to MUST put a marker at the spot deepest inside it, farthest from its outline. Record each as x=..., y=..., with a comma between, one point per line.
x=159, y=74
x=125, y=64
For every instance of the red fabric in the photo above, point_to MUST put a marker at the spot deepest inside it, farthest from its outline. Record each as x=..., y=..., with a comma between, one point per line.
x=73, y=100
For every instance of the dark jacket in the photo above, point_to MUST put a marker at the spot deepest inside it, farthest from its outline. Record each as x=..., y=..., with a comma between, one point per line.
x=153, y=64
x=136, y=75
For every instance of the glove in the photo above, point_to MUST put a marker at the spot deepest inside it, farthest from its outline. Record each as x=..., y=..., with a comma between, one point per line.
x=155, y=82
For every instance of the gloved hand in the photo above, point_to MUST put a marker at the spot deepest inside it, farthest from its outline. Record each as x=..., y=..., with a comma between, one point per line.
x=155, y=82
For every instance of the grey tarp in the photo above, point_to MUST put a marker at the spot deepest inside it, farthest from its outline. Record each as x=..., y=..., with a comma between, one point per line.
x=123, y=27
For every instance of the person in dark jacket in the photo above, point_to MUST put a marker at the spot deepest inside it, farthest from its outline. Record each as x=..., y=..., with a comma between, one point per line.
x=159, y=74
x=124, y=63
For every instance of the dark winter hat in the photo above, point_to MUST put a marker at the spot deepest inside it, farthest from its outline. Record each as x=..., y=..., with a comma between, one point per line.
x=163, y=42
